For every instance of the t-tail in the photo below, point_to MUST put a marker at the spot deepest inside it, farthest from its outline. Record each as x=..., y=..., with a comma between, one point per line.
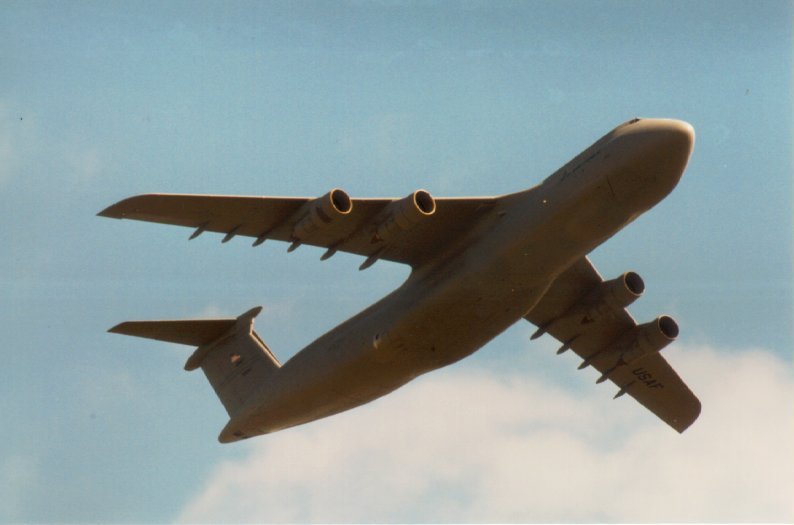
x=232, y=355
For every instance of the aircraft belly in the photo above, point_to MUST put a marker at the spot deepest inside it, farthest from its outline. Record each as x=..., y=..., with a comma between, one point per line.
x=443, y=313
x=479, y=265
x=407, y=334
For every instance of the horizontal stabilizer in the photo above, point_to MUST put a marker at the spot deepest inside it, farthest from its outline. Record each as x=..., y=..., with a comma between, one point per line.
x=188, y=332
x=232, y=355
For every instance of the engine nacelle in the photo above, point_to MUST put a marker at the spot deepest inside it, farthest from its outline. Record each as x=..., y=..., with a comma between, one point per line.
x=400, y=216
x=321, y=212
x=607, y=299
x=650, y=337
x=612, y=296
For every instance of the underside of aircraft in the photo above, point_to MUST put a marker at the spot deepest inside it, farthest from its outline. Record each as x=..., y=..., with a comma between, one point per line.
x=478, y=264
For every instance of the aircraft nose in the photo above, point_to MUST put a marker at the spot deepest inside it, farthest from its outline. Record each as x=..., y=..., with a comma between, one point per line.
x=670, y=144
x=675, y=137
x=654, y=154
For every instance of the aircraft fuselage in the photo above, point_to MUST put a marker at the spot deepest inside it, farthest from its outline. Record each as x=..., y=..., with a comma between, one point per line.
x=480, y=285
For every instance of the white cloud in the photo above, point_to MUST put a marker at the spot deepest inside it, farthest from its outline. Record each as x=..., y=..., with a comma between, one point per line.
x=472, y=446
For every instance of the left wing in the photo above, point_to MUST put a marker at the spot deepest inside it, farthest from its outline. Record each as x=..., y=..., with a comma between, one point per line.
x=404, y=230
x=588, y=315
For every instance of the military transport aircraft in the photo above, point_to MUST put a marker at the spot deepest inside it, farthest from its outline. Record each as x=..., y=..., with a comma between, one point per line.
x=478, y=265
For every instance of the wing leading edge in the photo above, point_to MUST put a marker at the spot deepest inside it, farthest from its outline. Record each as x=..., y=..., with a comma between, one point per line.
x=404, y=230
x=586, y=315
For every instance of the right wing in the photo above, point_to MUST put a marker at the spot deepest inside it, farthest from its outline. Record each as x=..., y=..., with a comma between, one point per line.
x=390, y=229
x=602, y=333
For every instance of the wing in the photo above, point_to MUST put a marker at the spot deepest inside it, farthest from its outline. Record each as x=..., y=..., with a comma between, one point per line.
x=599, y=339
x=391, y=229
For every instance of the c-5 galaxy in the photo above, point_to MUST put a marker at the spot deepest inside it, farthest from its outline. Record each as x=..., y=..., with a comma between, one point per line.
x=478, y=265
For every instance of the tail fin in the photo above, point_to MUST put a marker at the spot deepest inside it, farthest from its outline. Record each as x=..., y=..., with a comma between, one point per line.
x=232, y=355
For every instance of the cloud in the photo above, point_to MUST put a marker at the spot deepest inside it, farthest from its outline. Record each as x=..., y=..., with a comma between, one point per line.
x=468, y=445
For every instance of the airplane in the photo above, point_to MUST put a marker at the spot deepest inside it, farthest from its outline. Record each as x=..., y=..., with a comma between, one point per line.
x=478, y=265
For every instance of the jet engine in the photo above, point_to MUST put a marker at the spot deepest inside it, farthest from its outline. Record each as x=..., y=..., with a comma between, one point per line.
x=400, y=216
x=644, y=339
x=611, y=296
x=321, y=212
x=606, y=299
x=650, y=337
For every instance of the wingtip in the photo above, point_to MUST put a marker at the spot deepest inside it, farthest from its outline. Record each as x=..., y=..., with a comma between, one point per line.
x=681, y=426
x=118, y=329
x=109, y=213
x=115, y=211
x=123, y=207
x=253, y=312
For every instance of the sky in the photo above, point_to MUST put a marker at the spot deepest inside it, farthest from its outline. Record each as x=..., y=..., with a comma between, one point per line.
x=100, y=101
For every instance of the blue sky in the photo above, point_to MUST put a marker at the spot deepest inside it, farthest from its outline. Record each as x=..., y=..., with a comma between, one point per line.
x=102, y=101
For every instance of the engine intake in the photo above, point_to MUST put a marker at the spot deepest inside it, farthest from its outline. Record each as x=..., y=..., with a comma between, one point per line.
x=633, y=283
